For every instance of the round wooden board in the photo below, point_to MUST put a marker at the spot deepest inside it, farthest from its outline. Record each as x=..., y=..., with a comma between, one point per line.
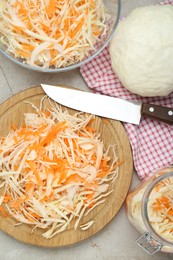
x=112, y=132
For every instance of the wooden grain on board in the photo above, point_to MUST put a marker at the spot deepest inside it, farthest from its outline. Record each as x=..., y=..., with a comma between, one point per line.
x=111, y=132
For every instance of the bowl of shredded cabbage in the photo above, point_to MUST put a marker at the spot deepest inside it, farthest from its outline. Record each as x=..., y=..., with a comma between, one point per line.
x=56, y=35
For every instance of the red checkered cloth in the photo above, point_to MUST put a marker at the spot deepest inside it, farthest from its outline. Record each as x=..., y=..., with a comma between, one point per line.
x=151, y=141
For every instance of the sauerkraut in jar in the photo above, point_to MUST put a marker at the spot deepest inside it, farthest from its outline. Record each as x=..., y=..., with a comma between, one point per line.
x=150, y=209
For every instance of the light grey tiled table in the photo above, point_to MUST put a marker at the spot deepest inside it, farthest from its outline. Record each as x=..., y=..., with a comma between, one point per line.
x=117, y=239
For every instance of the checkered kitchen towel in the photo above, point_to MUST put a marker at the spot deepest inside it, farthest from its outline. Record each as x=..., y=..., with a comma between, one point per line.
x=151, y=141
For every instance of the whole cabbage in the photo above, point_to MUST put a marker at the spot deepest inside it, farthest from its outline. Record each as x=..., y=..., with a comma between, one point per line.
x=141, y=51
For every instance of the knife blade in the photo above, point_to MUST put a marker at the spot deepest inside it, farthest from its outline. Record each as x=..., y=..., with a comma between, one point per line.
x=106, y=106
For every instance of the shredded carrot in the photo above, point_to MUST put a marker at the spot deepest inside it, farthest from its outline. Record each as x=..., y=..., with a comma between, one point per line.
x=78, y=28
x=91, y=205
x=105, y=170
x=74, y=178
x=22, y=54
x=32, y=167
x=4, y=213
x=58, y=169
x=52, y=134
x=51, y=8
x=27, y=47
x=90, y=129
x=29, y=185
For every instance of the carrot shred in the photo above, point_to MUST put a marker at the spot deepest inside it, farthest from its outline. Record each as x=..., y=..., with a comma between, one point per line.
x=51, y=8
x=4, y=213
x=74, y=178
x=52, y=134
x=32, y=166
x=106, y=171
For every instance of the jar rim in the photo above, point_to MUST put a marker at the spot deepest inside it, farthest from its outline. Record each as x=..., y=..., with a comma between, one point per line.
x=144, y=208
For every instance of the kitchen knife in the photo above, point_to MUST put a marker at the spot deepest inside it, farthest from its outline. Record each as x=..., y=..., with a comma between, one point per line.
x=106, y=106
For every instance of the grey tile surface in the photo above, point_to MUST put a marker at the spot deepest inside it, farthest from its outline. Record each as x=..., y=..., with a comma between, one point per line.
x=117, y=239
x=5, y=90
x=18, y=78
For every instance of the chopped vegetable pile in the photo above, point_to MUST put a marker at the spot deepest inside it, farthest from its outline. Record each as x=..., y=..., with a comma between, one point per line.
x=54, y=169
x=160, y=209
x=51, y=33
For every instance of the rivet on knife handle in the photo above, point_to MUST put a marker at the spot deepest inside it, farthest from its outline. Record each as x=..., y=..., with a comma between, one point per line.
x=163, y=114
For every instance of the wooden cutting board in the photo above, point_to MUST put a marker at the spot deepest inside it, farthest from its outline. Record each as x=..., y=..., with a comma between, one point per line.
x=112, y=132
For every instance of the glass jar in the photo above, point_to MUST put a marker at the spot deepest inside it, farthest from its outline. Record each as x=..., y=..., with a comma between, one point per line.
x=149, y=208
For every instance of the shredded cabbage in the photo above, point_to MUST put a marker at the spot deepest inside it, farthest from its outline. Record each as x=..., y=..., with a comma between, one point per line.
x=54, y=170
x=160, y=209
x=51, y=33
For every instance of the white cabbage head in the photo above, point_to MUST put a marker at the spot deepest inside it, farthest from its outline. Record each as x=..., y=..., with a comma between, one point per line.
x=141, y=51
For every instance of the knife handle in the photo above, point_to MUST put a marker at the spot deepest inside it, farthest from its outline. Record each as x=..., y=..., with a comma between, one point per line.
x=163, y=114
